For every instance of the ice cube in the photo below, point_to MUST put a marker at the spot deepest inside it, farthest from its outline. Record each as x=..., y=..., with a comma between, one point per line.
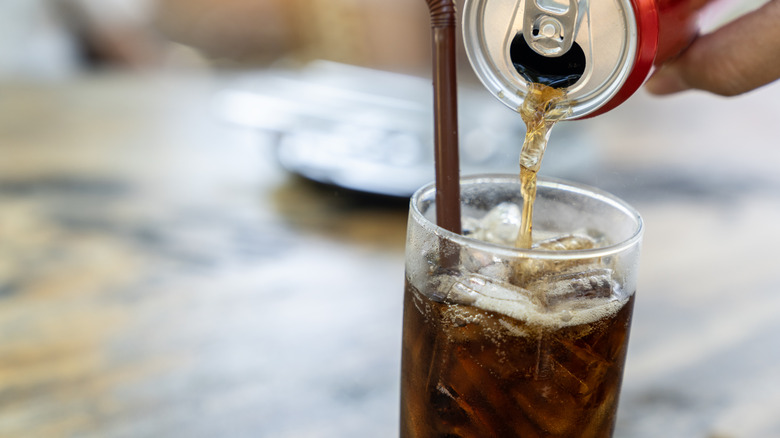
x=484, y=263
x=570, y=369
x=488, y=294
x=500, y=225
x=500, y=269
x=572, y=287
x=570, y=242
x=530, y=270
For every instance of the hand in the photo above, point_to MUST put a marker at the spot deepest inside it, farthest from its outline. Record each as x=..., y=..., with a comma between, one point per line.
x=739, y=57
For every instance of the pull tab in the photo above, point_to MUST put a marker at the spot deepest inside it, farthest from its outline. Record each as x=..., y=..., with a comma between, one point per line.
x=552, y=24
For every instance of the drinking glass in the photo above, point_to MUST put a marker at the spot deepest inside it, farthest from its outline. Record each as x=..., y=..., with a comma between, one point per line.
x=502, y=342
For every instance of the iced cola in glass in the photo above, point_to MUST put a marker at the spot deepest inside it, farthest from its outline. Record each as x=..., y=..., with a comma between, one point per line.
x=507, y=342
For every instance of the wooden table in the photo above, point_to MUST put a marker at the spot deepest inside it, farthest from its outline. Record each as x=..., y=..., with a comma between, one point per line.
x=161, y=276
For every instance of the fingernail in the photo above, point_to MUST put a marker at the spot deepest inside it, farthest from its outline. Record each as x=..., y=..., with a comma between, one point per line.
x=667, y=80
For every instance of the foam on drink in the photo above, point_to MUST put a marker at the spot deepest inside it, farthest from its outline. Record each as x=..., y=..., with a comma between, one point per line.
x=551, y=303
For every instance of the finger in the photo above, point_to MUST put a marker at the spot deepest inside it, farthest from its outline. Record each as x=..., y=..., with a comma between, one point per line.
x=739, y=57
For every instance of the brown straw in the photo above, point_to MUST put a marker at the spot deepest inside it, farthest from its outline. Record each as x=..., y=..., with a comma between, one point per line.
x=445, y=108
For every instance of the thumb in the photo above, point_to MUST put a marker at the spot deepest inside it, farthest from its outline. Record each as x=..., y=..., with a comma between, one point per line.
x=739, y=57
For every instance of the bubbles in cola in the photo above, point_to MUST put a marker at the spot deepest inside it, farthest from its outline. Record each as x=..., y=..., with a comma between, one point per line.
x=527, y=347
x=495, y=359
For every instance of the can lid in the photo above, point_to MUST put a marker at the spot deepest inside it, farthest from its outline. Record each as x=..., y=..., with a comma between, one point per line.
x=597, y=64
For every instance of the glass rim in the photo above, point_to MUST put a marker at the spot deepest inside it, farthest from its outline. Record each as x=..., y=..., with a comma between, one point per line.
x=547, y=182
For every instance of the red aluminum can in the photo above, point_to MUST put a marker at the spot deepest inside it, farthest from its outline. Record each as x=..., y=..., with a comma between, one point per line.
x=601, y=51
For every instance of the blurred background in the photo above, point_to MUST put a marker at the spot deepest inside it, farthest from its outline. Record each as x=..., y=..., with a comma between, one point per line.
x=203, y=209
x=65, y=36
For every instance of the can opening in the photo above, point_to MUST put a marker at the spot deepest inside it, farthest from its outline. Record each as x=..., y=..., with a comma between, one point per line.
x=557, y=72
